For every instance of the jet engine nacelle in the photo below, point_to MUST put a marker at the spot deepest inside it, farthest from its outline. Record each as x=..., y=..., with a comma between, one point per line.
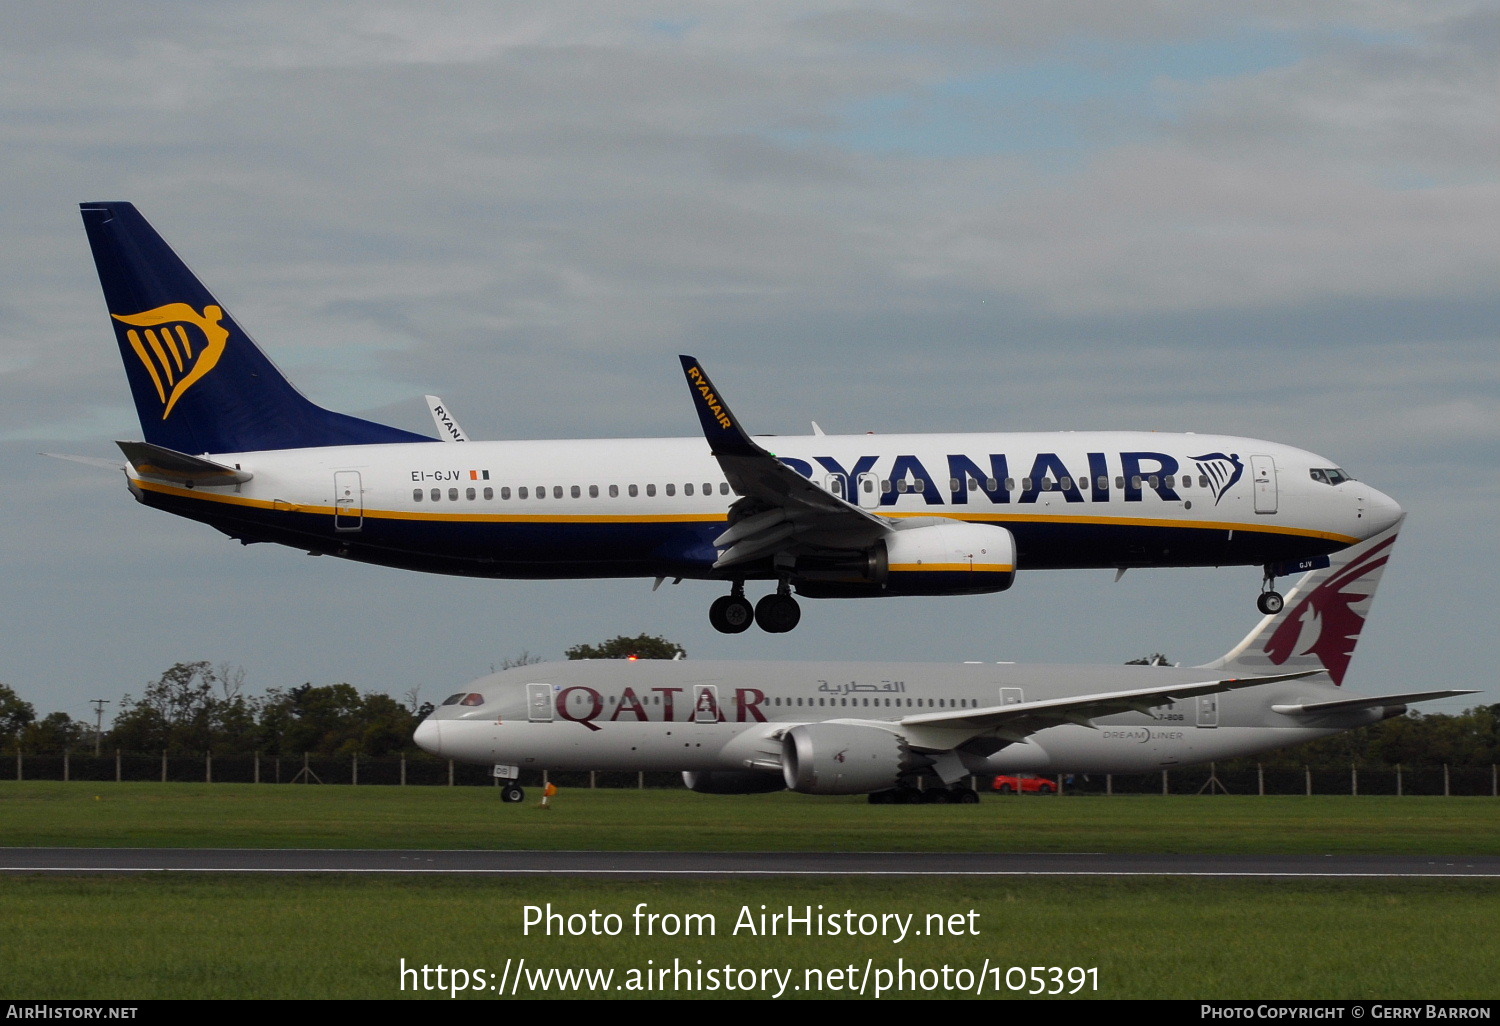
x=841, y=758
x=731, y=782
x=933, y=556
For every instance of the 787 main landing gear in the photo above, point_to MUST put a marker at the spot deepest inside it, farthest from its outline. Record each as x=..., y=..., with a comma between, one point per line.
x=777, y=613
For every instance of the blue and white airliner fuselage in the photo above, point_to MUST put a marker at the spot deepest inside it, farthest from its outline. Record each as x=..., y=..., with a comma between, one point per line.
x=647, y=507
x=230, y=442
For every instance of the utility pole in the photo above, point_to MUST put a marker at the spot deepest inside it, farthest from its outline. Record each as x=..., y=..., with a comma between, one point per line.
x=99, y=704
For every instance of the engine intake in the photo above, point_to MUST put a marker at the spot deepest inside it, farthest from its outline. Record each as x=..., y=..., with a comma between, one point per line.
x=842, y=758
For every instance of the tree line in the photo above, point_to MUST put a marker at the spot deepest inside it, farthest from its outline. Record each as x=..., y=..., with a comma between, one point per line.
x=198, y=707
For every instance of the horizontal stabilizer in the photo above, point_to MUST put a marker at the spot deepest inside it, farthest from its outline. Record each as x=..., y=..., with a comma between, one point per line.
x=1346, y=704
x=164, y=464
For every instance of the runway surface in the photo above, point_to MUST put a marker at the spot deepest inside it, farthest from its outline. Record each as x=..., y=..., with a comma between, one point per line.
x=632, y=864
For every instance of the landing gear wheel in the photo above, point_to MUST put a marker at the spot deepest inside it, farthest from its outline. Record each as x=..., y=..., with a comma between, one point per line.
x=512, y=793
x=936, y=796
x=731, y=614
x=1270, y=603
x=777, y=613
x=965, y=796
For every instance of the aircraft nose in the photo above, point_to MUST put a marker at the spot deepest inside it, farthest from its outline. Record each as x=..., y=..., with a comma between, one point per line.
x=429, y=736
x=1380, y=512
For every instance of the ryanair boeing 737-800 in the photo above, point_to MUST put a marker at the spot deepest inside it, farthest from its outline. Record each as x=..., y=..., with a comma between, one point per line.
x=230, y=442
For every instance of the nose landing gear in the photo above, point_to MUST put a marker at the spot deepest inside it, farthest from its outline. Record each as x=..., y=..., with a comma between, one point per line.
x=1270, y=601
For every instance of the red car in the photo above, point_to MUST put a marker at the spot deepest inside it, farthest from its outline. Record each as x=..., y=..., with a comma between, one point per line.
x=1025, y=785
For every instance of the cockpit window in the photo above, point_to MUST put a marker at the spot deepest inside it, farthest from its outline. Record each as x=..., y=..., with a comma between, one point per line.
x=472, y=699
x=1330, y=475
x=454, y=699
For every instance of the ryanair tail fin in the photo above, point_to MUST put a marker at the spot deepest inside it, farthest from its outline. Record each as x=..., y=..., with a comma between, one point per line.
x=199, y=382
x=1323, y=616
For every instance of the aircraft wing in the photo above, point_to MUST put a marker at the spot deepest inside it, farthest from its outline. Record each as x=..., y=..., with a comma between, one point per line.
x=945, y=730
x=784, y=508
x=1343, y=704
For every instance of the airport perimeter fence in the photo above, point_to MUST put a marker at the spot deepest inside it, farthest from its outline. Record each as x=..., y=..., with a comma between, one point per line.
x=412, y=770
x=425, y=770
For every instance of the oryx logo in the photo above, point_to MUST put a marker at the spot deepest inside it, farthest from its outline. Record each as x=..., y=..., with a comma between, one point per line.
x=177, y=345
x=1222, y=471
x=1332, y=615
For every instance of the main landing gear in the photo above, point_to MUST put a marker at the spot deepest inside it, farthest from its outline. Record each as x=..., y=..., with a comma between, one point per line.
x=777, y=613
x=1270, y=601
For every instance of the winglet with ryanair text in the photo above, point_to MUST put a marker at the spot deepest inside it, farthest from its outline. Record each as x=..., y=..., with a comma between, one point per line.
x=725, y=436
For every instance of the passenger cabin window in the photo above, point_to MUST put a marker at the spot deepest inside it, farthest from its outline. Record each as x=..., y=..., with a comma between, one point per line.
x=416, y=495
x=614, y=491
x=650, y=490
x=437, y=493
x=634, y=491
x=489, y=493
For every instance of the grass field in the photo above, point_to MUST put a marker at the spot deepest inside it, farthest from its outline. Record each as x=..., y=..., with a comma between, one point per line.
x=210, y=936
x=266, y=816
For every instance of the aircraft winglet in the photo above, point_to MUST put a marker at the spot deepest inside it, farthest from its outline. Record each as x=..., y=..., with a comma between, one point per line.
x=725, y=436
x=443, y=417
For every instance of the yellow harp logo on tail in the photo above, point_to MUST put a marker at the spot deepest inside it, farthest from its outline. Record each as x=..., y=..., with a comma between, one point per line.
x=177, y=345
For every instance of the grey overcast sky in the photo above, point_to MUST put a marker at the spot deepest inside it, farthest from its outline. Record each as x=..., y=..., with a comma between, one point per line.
x=1273, y=219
